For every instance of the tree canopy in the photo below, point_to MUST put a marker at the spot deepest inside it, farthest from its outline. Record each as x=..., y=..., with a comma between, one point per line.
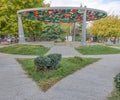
x=106, y=27
x=8, y=16
x=52, y=31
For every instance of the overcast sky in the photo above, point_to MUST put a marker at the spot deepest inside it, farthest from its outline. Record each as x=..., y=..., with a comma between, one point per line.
x=111, y=6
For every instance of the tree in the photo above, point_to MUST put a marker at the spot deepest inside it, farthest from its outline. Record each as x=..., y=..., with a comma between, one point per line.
x=8, y=16
x=52, y=31
x=106, y=27
x=33, y=29
x=66, y=27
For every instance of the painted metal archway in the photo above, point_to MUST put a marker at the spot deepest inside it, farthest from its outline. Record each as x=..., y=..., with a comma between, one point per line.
x=60, y=14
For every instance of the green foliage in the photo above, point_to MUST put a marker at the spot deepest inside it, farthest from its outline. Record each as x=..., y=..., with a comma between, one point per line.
x=55, y=58
x=62, y=38
x=97, y=49
x=66, y=27
x=117, y=82
x=52, y=31
x=46, y=62
x=41, y=62
x=32, y=29
x=8, y=16
x=25, y=49
x=116, y=93
x=76, y=60
x=106, y=27
x=46, y=79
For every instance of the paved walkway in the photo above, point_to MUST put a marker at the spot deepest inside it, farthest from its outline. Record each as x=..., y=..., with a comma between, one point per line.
x=95, y=82
x=66, y=51
x=14, y=83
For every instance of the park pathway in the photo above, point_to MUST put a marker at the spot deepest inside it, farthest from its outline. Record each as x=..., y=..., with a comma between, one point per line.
x=14, y=83
x=95, y=82
x=66, y=51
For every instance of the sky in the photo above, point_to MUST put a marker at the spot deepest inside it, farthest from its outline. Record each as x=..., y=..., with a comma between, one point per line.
x=110, y=6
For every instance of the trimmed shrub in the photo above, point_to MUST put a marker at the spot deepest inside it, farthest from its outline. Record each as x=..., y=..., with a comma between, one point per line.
x=117, y=82
x=41, y=62
x=55, y=58
x=46, y=62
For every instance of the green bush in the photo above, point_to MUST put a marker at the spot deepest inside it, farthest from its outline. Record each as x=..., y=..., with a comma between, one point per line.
x=117, y=82
x=62, y=38
x=45, y=62
x=55, y=58
x=41, y=62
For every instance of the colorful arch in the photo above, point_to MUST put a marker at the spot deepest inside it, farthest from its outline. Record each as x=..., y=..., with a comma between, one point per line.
x=62, y=14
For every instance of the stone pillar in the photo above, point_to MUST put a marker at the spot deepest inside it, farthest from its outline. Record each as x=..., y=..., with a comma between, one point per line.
x=20, y=30
x=83, y=41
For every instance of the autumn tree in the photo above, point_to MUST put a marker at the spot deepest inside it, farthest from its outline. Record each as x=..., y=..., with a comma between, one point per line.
x=66, y=27
x=106, y=27
x=8, y=16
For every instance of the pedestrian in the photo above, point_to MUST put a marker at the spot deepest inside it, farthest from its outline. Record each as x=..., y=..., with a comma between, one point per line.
x=89, y=40
x=8, y=39
x=114, y=41
x=0, y=40
x=12, y=40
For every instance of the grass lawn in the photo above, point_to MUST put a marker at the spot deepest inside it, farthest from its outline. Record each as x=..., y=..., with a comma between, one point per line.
x=47, y=79
x=117, y=45
x=25, y=49
x=97, y=49
x=113, y=45
x=115, y=96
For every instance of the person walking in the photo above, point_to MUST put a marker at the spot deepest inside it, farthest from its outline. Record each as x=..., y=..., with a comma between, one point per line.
x=0, y=40
x=114, y=40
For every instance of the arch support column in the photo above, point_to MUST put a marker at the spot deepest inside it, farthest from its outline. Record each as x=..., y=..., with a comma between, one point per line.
x=20, y=30
x=83, y=41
